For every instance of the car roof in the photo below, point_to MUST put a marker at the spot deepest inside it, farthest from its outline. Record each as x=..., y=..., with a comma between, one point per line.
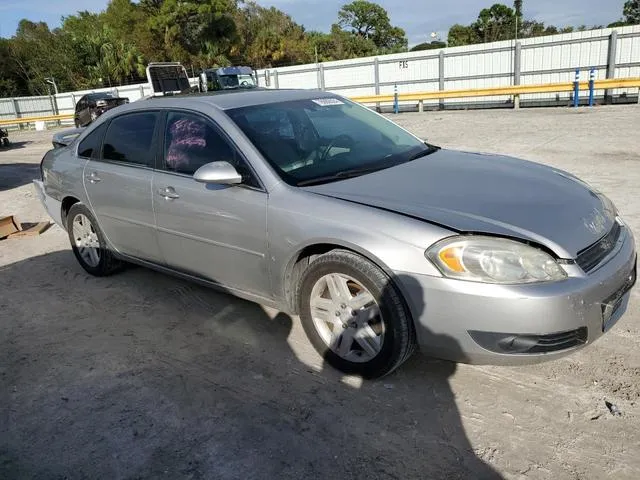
x=98, y=95
x=229, y=99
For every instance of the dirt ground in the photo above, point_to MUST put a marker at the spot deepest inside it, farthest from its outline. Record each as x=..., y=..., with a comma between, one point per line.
x=141, y=375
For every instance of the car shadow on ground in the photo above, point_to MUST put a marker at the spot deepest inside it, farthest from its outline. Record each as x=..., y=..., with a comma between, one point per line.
x=13, y=175
x=141, y=375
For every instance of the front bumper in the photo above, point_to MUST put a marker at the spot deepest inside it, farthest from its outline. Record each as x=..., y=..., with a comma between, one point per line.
x=50, y=204
x=514, y=324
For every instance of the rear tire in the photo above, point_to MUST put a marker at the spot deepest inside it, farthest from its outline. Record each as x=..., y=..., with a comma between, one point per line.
x=354, y=315
x=88, y=243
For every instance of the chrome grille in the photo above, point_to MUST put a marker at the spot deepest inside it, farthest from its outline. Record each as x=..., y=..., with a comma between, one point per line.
x=591, y=256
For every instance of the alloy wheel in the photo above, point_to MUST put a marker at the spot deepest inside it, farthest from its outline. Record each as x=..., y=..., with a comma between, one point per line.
x=86, y=240
x=347, y=317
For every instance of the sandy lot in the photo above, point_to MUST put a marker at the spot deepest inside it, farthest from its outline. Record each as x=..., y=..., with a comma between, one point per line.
x=141, y=375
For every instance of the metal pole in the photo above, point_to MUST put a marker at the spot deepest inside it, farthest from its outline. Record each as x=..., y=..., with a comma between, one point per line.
x=611, y=62
x=516, y=72
x=321, y=76
x=376, y=80
x=592, y=77
x=16, y=110
x=576, y=89
x=441, y=77
x=396, y=106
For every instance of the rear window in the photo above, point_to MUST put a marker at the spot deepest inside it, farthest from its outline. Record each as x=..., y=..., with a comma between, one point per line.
x=130, y=138
x=90, y=146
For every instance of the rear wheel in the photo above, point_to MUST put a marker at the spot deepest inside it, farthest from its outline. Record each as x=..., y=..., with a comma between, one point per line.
x=354, y=315
x=88, y=243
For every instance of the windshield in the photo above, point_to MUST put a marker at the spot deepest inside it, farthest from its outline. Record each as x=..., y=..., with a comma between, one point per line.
x=246, y=80
x=325, y=139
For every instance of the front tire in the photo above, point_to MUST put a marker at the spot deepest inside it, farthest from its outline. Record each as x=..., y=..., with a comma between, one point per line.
x=88, y=242
x=354, y=315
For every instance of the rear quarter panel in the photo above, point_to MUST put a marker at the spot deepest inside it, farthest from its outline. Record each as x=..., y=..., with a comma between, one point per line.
x=63, y=174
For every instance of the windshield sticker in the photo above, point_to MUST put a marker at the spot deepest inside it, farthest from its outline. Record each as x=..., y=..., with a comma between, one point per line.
x=323, y=102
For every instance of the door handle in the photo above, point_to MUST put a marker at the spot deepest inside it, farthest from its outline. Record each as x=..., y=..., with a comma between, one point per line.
x=93, y=177
x=168, y=193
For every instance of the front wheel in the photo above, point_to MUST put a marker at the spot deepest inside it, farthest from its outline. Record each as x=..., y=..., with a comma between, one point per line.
x=354, y=315
x=88, y=242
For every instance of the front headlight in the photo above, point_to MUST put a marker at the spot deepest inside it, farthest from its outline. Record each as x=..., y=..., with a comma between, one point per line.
x=493, y=260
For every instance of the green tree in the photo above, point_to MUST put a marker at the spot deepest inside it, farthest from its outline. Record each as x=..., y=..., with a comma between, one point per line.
x=269, y=38
x=131, y=22
x=11, y=84
x=631, y=12
x=462, y=35
x=185, y=27
x=39, y=53
x=371, y=21
x=428, y=46
x=517, y=8
x=495, y=23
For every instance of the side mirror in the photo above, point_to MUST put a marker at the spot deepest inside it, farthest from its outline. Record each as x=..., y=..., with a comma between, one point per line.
x=218, y=172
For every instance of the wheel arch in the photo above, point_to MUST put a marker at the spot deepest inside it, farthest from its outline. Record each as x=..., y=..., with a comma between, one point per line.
x=67, y=202
x=306, y=253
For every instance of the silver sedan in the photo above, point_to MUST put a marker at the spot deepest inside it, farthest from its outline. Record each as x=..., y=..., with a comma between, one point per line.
x=379, y=241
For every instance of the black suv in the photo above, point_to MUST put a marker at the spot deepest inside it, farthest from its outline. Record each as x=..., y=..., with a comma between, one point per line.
x=92, y=105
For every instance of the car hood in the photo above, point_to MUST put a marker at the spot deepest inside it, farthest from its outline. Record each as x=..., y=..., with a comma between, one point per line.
x=469, y=192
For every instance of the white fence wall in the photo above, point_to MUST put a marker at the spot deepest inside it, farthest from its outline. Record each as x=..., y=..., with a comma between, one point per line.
x=613, y=53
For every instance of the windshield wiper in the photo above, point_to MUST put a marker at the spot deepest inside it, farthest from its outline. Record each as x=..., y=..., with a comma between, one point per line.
x=428, y=151
x=341, y=175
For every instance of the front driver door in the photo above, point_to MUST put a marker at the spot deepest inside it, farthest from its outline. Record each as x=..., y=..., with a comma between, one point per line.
x=118, y=184
x=213, y=231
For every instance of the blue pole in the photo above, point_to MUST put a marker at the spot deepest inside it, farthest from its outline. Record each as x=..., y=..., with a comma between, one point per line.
x=396, y=107
x=592, y=79
x=576, y=88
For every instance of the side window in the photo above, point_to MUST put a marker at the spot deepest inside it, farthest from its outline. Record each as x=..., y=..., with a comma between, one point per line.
x=90, y=146
x=190, y=142
x=129, y=138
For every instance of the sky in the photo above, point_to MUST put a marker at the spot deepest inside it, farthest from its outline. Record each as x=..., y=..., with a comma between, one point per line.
x=418, y=17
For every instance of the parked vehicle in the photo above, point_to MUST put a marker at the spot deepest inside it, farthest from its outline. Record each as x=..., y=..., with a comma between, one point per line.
x=92, y=105
x=226, y=78
x=65, y=137
x=310, y=203
x=4, y=137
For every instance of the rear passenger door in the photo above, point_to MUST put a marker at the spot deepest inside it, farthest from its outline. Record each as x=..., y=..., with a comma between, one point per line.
x=118, y=184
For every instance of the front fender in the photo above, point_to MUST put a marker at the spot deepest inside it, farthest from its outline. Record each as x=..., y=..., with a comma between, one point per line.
x=392, y=241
